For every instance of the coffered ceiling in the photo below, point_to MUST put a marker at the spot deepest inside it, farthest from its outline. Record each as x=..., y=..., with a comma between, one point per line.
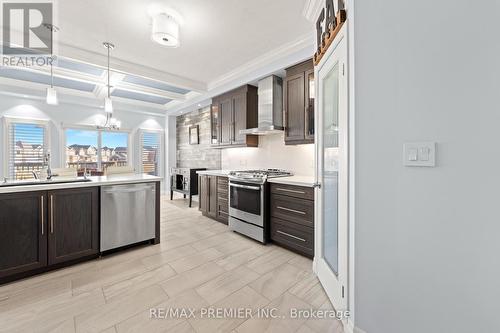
x=221, y=42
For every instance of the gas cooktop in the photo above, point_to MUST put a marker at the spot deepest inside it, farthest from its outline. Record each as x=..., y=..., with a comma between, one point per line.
x=259, y=175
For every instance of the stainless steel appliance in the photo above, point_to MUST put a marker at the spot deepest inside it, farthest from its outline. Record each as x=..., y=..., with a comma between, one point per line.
x=247, y=201
x=127, y=214
x=270, y=110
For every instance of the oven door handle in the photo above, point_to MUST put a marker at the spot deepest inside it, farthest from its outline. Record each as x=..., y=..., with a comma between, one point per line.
x=255, y=188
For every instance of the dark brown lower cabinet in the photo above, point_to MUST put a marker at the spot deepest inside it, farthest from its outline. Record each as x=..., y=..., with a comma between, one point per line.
x=42, y=229
x=208, y=195
x=73, y=224
x=292, y=218
x=23, y=232
x=213, y=197
x=223, y=200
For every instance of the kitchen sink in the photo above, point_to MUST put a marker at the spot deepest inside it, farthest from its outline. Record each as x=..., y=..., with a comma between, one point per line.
x=44, y=182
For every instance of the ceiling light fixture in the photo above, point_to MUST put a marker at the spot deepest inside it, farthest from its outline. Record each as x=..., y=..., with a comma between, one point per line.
x=165, y=30
x=165, y=24
x=51, y=91
x=111, y=123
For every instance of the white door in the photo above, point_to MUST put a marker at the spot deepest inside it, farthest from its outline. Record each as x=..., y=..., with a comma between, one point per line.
x=331, y=225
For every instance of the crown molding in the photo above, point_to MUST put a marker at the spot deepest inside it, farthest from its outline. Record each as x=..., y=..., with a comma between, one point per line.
x=272, y=62
x=302, y=42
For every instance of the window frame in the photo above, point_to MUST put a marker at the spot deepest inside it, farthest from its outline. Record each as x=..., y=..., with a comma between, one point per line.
x=142, y=131
x=8, y=121
x=99, y=132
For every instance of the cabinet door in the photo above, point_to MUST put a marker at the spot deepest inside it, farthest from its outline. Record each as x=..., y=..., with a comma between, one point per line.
x=203, y=195
x=73, y=224
x=214, y=124
x=212, y=194
x=226, y=121
x=239, y=118
x=294, y=107
x=309, y=105
x=23, y=232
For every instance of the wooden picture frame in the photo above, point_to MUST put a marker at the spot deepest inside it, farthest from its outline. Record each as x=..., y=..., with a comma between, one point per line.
x=194, y=135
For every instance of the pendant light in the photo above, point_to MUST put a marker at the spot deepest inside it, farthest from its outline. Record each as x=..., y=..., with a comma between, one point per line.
x=111, y=123
x=51, y=91
x=108, y=104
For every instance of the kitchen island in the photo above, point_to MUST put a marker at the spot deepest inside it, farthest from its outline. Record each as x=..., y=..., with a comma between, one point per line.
x=46, y=225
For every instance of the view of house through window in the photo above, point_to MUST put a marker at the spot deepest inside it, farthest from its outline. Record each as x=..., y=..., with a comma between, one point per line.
x=26, y=150
x=95, y=150
x=151, y=151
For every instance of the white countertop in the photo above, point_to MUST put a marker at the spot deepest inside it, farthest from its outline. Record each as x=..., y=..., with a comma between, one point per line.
x=222, y=173
x=307, y=181
x=95, y=181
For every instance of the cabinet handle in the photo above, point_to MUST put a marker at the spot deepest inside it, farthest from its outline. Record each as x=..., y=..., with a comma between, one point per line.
x=51, y=214
x=291, y=210
x=43, y=213
x=292, y=236
x=291, y=191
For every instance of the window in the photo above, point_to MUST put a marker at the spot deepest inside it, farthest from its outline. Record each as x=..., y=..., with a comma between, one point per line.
x=114, y=151
x=95, y=150
x=151, y=152
x=27, y=144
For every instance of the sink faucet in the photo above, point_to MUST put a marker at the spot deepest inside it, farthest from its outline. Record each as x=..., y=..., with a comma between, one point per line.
x=47, y=162
x=78, y=164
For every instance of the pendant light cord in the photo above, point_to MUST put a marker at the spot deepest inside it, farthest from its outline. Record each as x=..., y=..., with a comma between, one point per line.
x=109, y=87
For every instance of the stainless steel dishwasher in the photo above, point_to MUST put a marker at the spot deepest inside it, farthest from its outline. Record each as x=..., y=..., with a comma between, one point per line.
x=127, y=214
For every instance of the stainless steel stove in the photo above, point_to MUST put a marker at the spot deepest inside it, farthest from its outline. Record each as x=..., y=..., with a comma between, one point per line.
x=248, y=201
x=258, y=176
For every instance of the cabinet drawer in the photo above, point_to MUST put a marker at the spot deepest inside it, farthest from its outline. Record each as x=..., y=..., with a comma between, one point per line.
x=293, y=191
x=292, y=236
x=222, y=180
x=292, y=209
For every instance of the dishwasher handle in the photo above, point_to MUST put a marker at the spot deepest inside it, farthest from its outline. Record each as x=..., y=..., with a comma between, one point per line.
x=127, y=189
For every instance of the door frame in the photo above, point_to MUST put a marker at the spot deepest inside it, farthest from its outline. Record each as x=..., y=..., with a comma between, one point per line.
x=348, y=279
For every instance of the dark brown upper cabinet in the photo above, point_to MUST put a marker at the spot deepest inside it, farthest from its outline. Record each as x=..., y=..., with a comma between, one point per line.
x=23, y=232
x=231, y=112
x=73, y=224
x=298, y=94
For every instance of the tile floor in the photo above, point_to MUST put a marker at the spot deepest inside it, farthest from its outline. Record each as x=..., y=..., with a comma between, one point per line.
x=199, y=264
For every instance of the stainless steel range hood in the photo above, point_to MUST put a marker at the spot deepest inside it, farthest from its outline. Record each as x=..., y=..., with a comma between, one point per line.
x=270, y=111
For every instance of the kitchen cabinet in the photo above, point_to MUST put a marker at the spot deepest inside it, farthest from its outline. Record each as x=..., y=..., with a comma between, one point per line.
x=223, y=200
x=208, y=195
x=73, y=231
x=213, y=198
x=231, y=112
x=42, y=229
x=23, y=232
x=298, y=92
x=292, y=218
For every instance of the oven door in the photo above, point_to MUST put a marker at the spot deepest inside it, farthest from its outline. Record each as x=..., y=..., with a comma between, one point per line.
x=246, y=202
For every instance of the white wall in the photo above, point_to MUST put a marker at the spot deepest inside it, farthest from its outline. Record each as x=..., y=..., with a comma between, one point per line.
x=271, y=153
x=427, y=239
x=73, y=114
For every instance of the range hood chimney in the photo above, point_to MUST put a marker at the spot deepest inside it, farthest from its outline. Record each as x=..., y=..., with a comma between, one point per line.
x=270, y=111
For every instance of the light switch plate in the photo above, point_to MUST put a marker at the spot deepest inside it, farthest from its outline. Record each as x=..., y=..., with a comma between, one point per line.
x=421, y=154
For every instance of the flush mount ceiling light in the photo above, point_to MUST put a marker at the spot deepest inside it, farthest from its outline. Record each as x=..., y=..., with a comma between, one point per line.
x=166, y=24
x=51, y=91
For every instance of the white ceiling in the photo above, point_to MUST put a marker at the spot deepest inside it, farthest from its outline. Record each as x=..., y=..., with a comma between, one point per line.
x=217, y=36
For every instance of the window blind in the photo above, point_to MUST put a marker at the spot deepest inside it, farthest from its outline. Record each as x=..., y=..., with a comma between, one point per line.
x=151, y=148
x=26, y=150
